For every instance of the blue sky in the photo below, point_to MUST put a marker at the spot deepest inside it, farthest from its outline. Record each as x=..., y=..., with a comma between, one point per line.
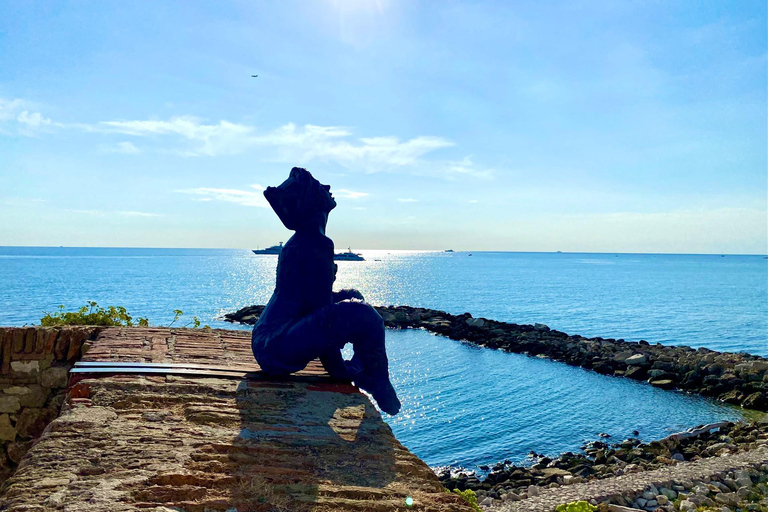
x=527, y=126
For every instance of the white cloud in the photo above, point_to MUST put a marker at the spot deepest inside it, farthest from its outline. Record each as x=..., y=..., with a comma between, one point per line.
x=136, y=214
x=349, y=194
x=468, y=168
x=243, y=197
x=223, y=138
x=119, y=213
x=16, y=114
x=21, y=201
x=10, y=109
x=288, y=143
x=473, y=201
x=679, y=231
x=407, y=200
x=32, y=120
x=124, y=147
x=190, y=136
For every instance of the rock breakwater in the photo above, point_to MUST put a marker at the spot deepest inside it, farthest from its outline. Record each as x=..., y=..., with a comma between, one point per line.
x=601, y=460
x=734, y=378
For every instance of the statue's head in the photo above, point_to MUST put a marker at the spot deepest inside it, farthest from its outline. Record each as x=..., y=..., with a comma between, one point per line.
x=301, y=200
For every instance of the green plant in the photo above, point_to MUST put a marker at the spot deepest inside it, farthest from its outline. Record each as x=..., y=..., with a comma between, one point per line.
x=92, y=314
x=195, y=322
x=470, y=497
x=112, y=316
x=576, y=506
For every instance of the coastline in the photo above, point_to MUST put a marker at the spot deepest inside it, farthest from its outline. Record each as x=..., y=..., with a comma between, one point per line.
x=735, y=378
x=603, y=459
x=739, y=379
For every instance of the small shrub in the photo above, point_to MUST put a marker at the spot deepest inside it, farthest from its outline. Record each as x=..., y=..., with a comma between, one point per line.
x=112, y=316
x=195, y=322
x=576, y=506
x=470, y=497
x=92, y=314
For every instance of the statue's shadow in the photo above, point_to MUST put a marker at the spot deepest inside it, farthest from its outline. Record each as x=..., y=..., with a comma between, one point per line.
x=305, y=442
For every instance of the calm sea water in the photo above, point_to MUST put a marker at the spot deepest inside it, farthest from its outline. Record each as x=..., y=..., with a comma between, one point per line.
x=462, y=405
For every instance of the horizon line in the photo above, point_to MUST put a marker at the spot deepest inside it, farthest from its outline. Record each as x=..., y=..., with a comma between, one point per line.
x=399, y=250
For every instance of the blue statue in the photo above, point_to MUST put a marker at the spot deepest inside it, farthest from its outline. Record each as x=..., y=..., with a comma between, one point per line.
x=305, y=319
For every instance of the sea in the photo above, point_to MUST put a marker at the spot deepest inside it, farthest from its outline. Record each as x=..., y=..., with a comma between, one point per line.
x=463, y=406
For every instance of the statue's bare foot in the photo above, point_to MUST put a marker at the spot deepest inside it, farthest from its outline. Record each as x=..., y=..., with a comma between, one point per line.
x=383, y=392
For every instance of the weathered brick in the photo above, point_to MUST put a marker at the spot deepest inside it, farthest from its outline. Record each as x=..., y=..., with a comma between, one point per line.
x=62, y=345
x=30, y=339
x=41, y=336
x=18, y=340
x=7, y=342
x=51, y=340
x=75, y=343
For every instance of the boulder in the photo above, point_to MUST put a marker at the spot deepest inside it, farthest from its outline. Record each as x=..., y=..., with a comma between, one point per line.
x=662, y=383
x=17, y=450
x=32, y=421
x=54, y=377
x=622, y=356
x=757, y=401
x=7, y=431
x=9, y=403
x=29, y=368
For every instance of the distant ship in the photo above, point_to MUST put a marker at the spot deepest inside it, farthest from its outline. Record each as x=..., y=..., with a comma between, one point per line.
x=348, y=256
x=275, y=249
x=448, y=250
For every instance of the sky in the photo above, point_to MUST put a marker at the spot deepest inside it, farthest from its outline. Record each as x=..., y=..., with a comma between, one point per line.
x=592, y=126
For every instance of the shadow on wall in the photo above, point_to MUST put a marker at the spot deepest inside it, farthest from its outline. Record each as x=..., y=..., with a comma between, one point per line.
x=300, y=446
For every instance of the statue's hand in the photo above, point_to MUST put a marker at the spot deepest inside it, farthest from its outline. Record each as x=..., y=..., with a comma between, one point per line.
x=347, y=294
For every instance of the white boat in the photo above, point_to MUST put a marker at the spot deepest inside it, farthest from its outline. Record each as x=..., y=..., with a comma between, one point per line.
x=348, y=256
x=275, y=249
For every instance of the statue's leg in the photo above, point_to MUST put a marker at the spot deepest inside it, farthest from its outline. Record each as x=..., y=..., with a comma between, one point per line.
x=358, y=323
x=325, y=332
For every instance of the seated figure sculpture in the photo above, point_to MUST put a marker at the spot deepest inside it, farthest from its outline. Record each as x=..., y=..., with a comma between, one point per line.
x=305, y=319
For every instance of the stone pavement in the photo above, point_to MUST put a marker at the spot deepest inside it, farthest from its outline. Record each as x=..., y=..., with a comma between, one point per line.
x=633, y=484
x=198, y=444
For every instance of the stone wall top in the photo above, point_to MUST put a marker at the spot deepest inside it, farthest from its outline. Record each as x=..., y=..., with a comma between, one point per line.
x=159, y=442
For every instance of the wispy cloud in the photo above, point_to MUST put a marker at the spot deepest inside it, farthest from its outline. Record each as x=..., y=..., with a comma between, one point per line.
x=243, y=197
x=119, y=213
x=124, y=147
x=288, y=143
x=349, y=194
x=16, y=114
x=407, y=200
x=21, y=201
x=190, y=136
x=468, y=168
x=224, y=138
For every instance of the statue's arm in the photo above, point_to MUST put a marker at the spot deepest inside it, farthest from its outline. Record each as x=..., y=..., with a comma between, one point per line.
x=347, y=294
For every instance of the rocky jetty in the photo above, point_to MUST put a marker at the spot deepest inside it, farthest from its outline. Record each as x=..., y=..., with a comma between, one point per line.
x=731, y=483
x=600, y=460
x=735, y=378
x=745, y=489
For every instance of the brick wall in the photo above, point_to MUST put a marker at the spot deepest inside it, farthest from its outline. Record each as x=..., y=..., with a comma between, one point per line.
x=33, y=381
